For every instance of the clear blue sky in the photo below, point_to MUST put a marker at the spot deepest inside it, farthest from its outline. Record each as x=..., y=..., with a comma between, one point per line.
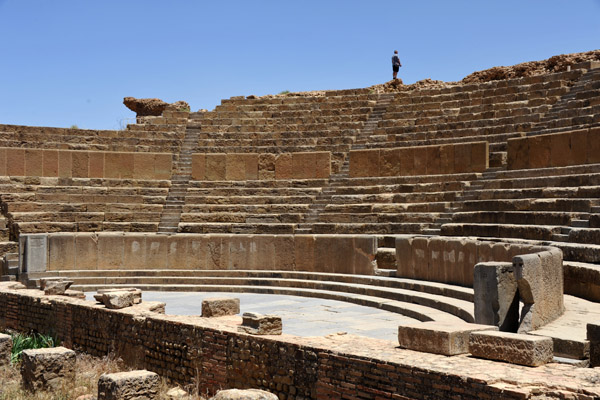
x=66, y=63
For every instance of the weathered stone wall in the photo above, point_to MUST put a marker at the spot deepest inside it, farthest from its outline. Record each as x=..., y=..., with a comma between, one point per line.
x=84, y=164
x=263, y=166
x=555, y=150
x=212, y=356
x=420, y=160
x=351, y=254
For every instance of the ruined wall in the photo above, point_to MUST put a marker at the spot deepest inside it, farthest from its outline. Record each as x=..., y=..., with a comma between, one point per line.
x=263, y=166
x=420, y=160
x=84, y=164
x=198, y=351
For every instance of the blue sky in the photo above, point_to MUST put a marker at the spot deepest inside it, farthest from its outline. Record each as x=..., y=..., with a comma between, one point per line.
x=66, y=63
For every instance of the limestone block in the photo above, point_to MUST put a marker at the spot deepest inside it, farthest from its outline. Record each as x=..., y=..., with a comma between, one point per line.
x=50, y=163
x=364, y=163
x=433, y=164
x=390, y=162
x=49, y=368
x=65, y=164
x=80, y=164
x=495, y=295
x=110, y=251
x=304, y=165
x=266, y=166
x=96, y=166
x=86, y=251
x=539, y=151
x=560, y=149
x=155, y=250
x=447, y=159
x=541, y=287
x=593, y=145
x=420, y=160
x=514, y=348
x=126, y=165
x=3, y=151
x=117, y=300
x=198, y=166
x=322, y=165
x=434, y=269
x=15, y=162
x=462, y=157
x=132, y=385
x=404, y=259
x=235, y=169
x=480, y=156
x=216, y=167
x=5, y=349
x=34, y=162
x=246, y=394
x=163, y=165
x=220, y=306
x=111, y=168
x=250, y=166
x=593, y=335
x=143, y=166
x=407, y=161
x=54, y=286
x=283, y=166
x=578, y=147
x=258, y=324
x=34, y=251
x=438, y=337
x=304, y=252
x=517, y=156
x=137, y=293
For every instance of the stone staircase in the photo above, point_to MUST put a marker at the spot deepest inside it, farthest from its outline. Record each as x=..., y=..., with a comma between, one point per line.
x=171, y=214
x=364, y=136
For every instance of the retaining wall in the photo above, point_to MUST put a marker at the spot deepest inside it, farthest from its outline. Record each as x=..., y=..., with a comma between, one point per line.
x=263, y=166
x=420, y=160
x=84, y=164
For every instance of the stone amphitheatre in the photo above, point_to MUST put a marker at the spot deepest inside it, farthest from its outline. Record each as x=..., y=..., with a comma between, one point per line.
x=471, y=207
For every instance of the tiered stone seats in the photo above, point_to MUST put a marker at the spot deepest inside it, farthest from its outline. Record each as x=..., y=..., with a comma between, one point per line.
x=34, y=205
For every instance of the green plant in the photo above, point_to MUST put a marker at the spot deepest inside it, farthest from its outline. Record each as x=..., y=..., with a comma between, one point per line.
x=73, y=127
x=284, y=92
x=25, y=342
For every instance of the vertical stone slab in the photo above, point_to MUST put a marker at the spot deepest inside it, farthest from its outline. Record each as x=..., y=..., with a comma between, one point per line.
x=283, y=166
x=364, y=163
x=197, y=252
x=436, y=269
x=50, y=163
x=593, y=145
x=34, y=252
x=434, y=162
x=198, y=166
x=156, y=251
x=540, y=151
x=235, y=167
x=86, y=251
x=420, y=160
x=177, y=249
x=404, y=259
x=390, y=162
x=216, y=166
x=112, y=162
x=65, y=164
x=283, y=256
x=15, y=162
x=578, y=142
x=96, y=164
x=462, y=158
x=266, y=166
x=495, y=295
x=3, y=161
x=304, y=252
x=80, y=164
x=126, y=165
x=540, y=281
x=447, y=159
x=135, y=251
x=34, y=162
x=364, y=251
x=560, y=149
x=480, y=156
x=407, y=161
x=143, y=166
x=323, y=165
x=110, y=251
x=251, y=166
x=61, y=252
x=420, y=257
x=593, y=335
x=163, y=165
x=303, y=165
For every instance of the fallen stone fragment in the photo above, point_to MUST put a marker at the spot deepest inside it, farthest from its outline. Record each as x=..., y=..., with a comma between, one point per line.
x=136, y=292
x=47, y=369
x=132, y=385
x=5, y=348
x=247, y=394
x=54, y=286
x=258, y=324
x=514, y=348
x=117, y=300
x=220, y=306
x=177, y=394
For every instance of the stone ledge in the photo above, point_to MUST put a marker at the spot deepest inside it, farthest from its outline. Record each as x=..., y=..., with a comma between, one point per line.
x=514, y=348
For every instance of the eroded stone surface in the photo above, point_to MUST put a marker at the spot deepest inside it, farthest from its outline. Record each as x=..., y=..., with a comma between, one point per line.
x=593, y=335
x=116, y=298
x=438, y=337
x=514, y=348
x=151, y=107
x=247, y=394
x=5, y=348
x=55, y=286
x=496, y=298
x=258, y=324
x=47, y=368
x=132, y=385
x=220, y=306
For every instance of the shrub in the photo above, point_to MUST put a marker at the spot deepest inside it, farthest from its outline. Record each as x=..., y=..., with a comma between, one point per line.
x=25, y=342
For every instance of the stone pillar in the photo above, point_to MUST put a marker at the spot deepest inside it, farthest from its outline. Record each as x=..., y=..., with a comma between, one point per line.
x=47, y=368
x=593, y=335
x=33, y=252
x=496, y=296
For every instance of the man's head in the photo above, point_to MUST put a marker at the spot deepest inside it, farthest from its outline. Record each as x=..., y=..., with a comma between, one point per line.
x=395, y=51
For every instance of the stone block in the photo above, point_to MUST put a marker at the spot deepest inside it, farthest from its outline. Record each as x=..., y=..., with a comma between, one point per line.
x=266, y=166
x=420, y=160
x=15, y=162
x=111, y=168
x=47, y=369
x=258, y=324
x=96, y=160
x=517, y=155
x=364, y=163
x=250, y=166
x=578, y=147
x=5, y=349
x=407, y=161
x=283, y=166
x=541, y=287
x=462, y=158
x=480, y=156
x=131, y=385
x=137, y=293
x=143, y=166
x=65, y=163
x=50, y=163
x=34, y=249
x=235, y=169
x=61, y=252
x=514, y=348
x=199, y=166
x=560, y=149
x=80, y=164
x=304, y=165
x=163, y=165
x=34, y=162
x=54, y=286
x=117, y=300
x=86, y=251
x=245, y=394
x=304, y=252
x=390, y=162
x=322, y=165
x=220, y=306
x=447, y=159
x=593, y=145
x=495, y=295
x=216, y=167
x=434, y=162
x=540, y=151
x=110, y=251
x=126, y=165
x=438, y=337
x=593, y=335
x=3, y=151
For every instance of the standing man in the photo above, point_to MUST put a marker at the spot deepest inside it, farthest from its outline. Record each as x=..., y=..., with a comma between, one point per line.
x=396, y=64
